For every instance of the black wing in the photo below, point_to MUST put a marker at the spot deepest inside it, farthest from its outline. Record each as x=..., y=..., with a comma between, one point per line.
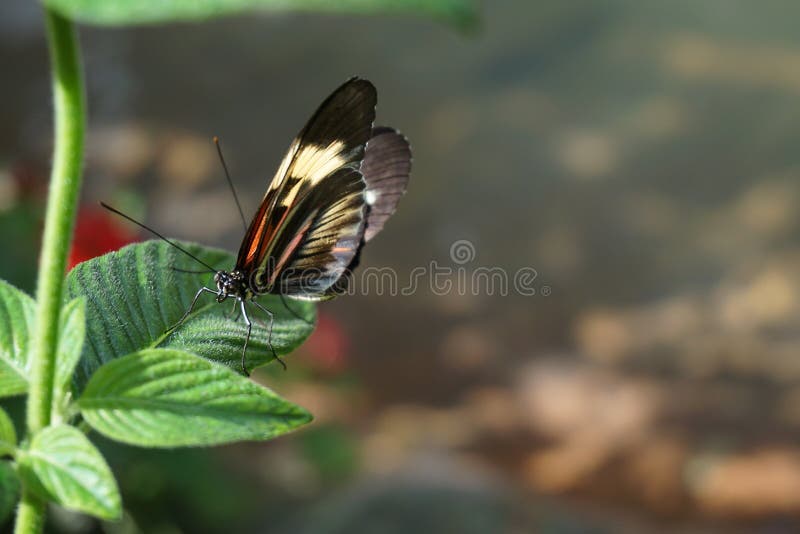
x=311, y=220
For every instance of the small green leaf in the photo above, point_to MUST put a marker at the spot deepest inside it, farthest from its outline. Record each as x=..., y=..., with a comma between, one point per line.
x=169, y=398
x=134, y=296
x=16, y=326
x=9, y=490
x=462, y=13
x=62, y=463
x=70, y=345
x=8, y=435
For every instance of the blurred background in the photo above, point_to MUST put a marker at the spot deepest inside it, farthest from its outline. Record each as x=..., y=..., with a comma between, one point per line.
x=642, y=157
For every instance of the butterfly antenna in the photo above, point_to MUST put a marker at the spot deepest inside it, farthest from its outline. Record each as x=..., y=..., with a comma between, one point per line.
x=230, y=182
x=134, y=221
x=188, y=271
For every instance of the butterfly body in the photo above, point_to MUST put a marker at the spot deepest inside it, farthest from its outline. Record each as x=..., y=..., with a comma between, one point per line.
x=338, y=183
x=232, y=284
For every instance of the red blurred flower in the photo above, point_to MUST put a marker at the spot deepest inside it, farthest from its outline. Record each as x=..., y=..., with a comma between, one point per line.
x=30, y=181
x=97, y=232
x=328, y=346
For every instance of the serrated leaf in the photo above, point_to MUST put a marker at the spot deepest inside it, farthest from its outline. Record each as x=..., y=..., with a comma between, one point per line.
x=9, y=490
x=170, y=398
x=133, y=296
x=16, y=325
x=8, y=435
x=462, y=13
x=70, y=345
x=62, y=463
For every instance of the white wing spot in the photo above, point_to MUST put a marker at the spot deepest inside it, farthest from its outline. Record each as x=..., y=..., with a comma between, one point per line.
x=371, y=197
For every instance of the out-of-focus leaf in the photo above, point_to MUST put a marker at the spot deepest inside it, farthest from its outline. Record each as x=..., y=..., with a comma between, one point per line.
x=462, y=13
x=16, y=327
x=133, y=296
x=169, y=398
x=9, y=490
x=8, y=436
x=331, y=450
x=62, y=464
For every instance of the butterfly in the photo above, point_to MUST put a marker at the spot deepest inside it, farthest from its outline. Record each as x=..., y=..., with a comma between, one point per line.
x=339, y=182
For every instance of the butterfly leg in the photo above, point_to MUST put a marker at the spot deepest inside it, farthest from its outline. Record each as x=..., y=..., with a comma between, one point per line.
x=191, y=307
x=233, y=311
x=269, y=336
x=246, y=339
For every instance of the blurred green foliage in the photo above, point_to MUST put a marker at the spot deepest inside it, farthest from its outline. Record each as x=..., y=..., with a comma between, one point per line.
x=332, y=452
x=20, y=227
x=461, y=13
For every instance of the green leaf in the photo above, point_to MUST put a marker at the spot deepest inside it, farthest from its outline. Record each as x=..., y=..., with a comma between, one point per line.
x=70, y=345
x=9, y=490
x=462, y=13
x=8, y=435
x=169, y=398
x=16, y=326
x=134, y=296
x=66, y=468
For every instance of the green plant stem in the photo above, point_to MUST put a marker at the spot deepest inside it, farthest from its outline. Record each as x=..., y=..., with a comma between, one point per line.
x=65, y=182
x=30, y=514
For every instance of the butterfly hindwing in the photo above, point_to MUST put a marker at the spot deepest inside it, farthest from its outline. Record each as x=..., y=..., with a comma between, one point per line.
x=386, y=169
x=311, y=220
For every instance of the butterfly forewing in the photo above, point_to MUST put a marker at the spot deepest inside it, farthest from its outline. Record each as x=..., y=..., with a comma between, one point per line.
x=318, y=248
x=310, y=223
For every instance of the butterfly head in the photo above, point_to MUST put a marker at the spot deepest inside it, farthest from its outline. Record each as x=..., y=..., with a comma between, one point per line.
x=230, y=284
